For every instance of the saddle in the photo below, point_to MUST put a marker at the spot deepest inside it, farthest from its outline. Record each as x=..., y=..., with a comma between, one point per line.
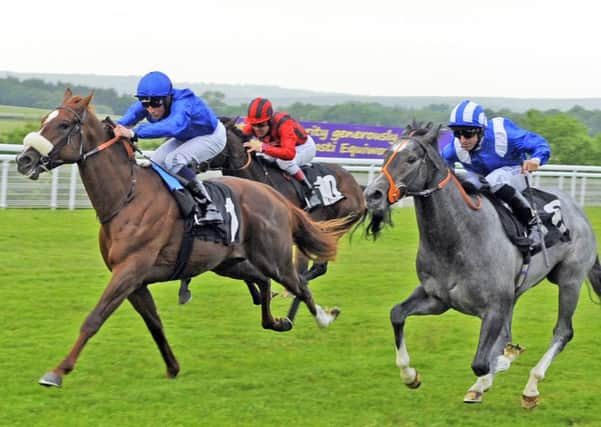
x=548, y=208
x=226, y=232
x=320, y=176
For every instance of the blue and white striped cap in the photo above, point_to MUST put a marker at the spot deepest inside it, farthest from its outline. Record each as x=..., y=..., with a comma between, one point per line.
x=468, y=113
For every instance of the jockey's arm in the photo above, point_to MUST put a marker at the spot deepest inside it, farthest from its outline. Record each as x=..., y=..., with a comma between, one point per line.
x=287, y=148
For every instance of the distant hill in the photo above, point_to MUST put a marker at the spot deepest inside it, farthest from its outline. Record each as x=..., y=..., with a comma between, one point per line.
x=241, y=94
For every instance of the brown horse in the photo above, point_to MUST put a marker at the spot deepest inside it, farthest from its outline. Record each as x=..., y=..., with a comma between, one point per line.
x=141, y=229
x=234, y=160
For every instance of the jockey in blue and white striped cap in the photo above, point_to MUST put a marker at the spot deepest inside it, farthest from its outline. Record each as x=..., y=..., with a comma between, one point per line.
x=468, y=114
x=501, y=152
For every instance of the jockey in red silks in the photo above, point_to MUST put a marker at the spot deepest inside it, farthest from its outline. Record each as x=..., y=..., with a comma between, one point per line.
x=278, y=137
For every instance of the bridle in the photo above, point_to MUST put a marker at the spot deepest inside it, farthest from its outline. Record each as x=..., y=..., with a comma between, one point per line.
x=50, y=160
x=394, y=190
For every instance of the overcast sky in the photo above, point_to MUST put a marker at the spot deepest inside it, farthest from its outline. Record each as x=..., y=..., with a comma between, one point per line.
x=509, y=48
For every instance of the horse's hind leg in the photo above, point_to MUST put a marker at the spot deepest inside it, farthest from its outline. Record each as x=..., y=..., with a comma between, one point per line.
x=144, y=304
x=418, y=303
x=562, y=334
x=316, y=270
x=267, y=320
x=510, y=351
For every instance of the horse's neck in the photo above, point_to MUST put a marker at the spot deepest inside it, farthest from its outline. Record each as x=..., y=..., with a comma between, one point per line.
x=445, y=218
x=107, y=177
x=255, y=172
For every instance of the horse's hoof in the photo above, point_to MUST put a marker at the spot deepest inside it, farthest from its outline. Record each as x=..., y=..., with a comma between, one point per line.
x=529, y=402
x=335, y=312
x=185, y=297
x=417, y=381
x=286, y=324
x=51, y=379
x=473, y=396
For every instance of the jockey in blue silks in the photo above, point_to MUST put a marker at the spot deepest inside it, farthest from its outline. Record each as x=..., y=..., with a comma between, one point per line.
x=501, y=152
x=194, y=132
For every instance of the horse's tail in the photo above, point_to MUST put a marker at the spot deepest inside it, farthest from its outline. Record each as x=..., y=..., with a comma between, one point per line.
x=594, y=276
x=318, y=240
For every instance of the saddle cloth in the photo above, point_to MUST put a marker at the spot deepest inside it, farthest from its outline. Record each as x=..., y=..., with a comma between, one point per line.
x=226, y=232
x=324, y=180
x=548, y=208
x=319, y=175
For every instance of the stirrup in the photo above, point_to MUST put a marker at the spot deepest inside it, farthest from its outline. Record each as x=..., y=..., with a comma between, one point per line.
x=312, y=201
x=536, y=238
x=211, y=215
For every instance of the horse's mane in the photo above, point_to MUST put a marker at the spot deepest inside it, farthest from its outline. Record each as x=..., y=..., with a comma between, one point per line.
x=230, y=125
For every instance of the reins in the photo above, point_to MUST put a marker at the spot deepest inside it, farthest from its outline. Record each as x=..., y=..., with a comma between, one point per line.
x=245, y=166
x=103, y=146
x=394, y=191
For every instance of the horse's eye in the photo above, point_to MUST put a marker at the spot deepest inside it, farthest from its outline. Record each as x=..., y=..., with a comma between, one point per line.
x=411, y=159
x=64, y=125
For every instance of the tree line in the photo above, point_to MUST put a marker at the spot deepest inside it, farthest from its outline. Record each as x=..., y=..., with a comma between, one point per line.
x=574, y=135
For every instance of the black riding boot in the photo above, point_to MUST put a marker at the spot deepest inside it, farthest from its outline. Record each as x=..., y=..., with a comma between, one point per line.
x=522, y=210
x=209, y=212
x=312, y=197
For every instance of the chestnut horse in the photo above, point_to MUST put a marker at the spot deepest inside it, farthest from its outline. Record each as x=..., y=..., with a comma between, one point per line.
x=142, y=230
x=235, y=160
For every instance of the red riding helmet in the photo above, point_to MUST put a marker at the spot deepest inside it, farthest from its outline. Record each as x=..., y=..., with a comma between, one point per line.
x=259, y=110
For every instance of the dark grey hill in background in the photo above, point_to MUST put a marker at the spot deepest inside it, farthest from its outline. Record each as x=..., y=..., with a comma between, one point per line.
x=241, y=94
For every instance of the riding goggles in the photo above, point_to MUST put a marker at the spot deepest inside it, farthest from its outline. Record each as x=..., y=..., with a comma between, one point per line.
x=466, y=132
x=153, y=101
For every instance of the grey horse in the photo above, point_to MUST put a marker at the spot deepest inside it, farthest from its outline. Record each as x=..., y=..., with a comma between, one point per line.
x=466, y=262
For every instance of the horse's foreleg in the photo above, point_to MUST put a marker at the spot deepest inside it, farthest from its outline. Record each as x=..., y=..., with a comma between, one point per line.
x=143, y=303
x=417, y=303
x=562, y=334
x=112, y=297
x=316, y=270
x=254, y=293
x=493, y=333
x=184, y=294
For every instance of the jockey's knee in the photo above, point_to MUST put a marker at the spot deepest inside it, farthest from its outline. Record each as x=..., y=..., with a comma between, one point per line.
x=175, y=162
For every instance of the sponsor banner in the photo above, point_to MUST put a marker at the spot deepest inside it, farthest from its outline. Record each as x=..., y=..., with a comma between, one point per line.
x=339, y=140
x=358, y=141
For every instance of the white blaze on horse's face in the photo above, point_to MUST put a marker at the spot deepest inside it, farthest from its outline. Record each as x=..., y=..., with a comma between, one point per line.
x=53, y=115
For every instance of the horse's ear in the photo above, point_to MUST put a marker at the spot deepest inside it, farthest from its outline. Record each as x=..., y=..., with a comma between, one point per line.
x=68, y=95
x=88, y=99
x=432, y=136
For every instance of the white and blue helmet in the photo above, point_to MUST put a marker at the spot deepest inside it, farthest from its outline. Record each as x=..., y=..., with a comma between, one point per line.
x=468, y=114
